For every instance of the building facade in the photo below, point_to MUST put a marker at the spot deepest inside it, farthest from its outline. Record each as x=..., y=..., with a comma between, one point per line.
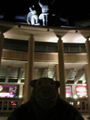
x=31, y=52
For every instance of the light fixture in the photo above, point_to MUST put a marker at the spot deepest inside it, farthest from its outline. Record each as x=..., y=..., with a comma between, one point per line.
x=47, y=29
x=76, y=31
x=19, y=25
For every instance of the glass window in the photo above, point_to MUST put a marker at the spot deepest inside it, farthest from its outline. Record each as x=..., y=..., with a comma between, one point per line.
x=83, y=49
x=78, y=105
x=66, y=49
x=52, y=49
x=83, y=105
x=74, y=49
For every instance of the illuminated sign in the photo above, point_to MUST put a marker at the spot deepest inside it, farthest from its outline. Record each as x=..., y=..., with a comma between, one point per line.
x=9, y=91
x=81, y=91
x=68, y=91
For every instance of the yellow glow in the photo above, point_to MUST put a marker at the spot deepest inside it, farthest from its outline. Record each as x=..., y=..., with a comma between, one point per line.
x=71, y=103
x=18, y=81
x=89, y=39
x=20, y=96
x=53, y=39
x=75, y=96
x=78, y=103
x=72, y=37
x=41, y=35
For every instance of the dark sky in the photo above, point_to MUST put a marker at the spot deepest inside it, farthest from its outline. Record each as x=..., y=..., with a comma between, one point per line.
x=72, y=9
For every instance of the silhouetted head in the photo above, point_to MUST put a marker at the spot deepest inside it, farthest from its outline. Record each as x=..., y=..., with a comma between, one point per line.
x=45, y=91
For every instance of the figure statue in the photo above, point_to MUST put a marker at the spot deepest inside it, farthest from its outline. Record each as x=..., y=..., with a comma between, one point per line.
x=44, y=15
x=32, y=17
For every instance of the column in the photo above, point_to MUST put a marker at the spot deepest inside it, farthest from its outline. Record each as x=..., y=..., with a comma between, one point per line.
x=20, y=91
x=29, y=69
x=74, y=93
x=1, y=44
x=73, y=90
x=56, y=72
x=61, y=68
x=88, y=72
x=57, y=75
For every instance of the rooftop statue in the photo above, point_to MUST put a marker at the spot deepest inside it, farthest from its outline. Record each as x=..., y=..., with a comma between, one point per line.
x=32, y=17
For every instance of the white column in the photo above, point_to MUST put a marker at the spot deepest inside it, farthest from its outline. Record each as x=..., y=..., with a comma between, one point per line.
x=61, y=68
x=21, y=72
x=73, y=90
x=20, y=91
x=29, y=69
x=57, y=75
x=8, y=71
x=88, y=73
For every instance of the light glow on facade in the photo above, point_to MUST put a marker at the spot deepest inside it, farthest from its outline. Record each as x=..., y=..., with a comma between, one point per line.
x=72, y=37
x=81, y=91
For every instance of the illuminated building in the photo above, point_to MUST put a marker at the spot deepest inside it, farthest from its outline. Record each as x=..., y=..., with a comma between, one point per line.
x=49, y=59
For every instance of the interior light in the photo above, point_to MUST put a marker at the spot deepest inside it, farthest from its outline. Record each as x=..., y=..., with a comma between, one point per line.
x=71, y=103
x=89, y=38
x=81, y=96
x=75, y=96
x=67, y=95
x=78, y=103
x=6, y=95
x=20, y=96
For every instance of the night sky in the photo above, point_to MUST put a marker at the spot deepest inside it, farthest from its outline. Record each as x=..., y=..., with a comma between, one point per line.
x=71, y=9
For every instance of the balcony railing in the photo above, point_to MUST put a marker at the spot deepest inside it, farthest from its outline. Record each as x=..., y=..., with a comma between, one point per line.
x=80, y=104
x=8, y=105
